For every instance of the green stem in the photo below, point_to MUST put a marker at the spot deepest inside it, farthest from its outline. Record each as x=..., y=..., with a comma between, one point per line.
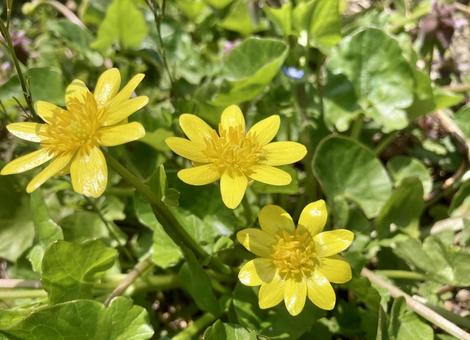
x=26, y=90
x=170, y=223
x=385, y=142
x=196, y=327
x=401, y=274
x=247, y=210
x=357, y=127
x=6, y=294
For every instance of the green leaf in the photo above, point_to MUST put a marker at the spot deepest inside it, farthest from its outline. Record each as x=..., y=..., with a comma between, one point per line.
x=219, y=4
x=462, y=118
x=325, y=24
x=156, y=139
x=241, y=19
x=16, y=226
x=444, y=98
x=70, y=269
x=380, y=74
x=249, y=68
x=358, y=175
x=123, y=24
x=83, y=226
x=460, y=204
x=220, y=330
x=197, y=283
x=382, y=332
x=423, y=101
x=196, y=10
x=281, y=17
x=402, y=167
x=165, y=253
x=84, y=320
x=46, y=230
x=407, y=325
x=403, y=209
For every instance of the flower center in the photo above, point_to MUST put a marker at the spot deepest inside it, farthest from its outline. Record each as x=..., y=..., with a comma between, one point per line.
x=294, y=254
x=74, y=128
x=233, y=150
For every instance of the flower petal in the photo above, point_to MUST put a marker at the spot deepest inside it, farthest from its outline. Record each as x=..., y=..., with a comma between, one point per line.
x=269, y=175
x=271, y=293
x=57, y=165
x=124, y=110
x=332, y=242
x=295, y=294
x=232, y=117
x=232, y=187
x=199, y=175
x=126, y=91
x=47, y=110
x=257, y=271
x=257, y=241
x=26, y=162
x=121, y=134
x=195, y=128
x=313, y=217
x=320, y=291
x=265, y=130
x=77, y=89
x=280, y=153
x=89, y=172
x=107, y=85
x=273, y=219
x=335, y=269
x=187, y=149
x=26, y=130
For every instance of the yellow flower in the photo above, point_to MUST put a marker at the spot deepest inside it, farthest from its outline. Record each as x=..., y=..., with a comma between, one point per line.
x=295, y=262
x=71, y=137
x=232, y=155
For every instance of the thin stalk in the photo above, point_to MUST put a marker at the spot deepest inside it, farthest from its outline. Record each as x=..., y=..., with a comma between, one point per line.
x=419, y=308
x=385, y=142
x=24, y=86
x=247, y=209
x=196, y=327
x=357, y=127
x=401, y=274
x=170, y=223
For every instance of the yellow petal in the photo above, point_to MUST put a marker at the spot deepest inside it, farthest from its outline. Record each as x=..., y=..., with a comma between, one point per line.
x=26, y=162
x=335, y=269
x=195, y=128
x=57, y=165
x=265, y=130
x=257, y=241
x=257, y=271
x=89, y=173
x=27, y=131
x=232, y=187
x=271, y=293
x=320, y=291
x=123, y=110
x=273, y=219
x=313, y=217
x=295, y=294
x=199, y=175
x=120, y=134
x=126, y=91
x=269, y=175
x=107, y=85
x=232, y=117
x=47, y=110
x=280, y=153
x=332, y=242
x=187, y=149
x=77, y=89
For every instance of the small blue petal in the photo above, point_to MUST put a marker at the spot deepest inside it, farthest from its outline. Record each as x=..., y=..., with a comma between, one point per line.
x=293, y=72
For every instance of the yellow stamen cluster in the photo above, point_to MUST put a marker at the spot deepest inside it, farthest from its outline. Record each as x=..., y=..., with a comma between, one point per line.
x=74, y=128
x=294, y=254
x=233, y=150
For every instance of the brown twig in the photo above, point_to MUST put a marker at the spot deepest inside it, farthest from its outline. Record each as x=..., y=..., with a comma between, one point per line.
x=416, y=306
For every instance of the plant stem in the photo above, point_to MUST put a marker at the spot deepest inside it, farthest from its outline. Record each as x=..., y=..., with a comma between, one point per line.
x=247, y=210
x=385, y=142
x=401, y=274
x=357, y=127
x=170, y=223
x=142, y=266
x=195, y=328
x=26, y=90
x=419, y=308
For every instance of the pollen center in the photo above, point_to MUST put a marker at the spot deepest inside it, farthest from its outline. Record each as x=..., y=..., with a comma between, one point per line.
x=233, y=150
x=74, y=128
x=294, y=254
